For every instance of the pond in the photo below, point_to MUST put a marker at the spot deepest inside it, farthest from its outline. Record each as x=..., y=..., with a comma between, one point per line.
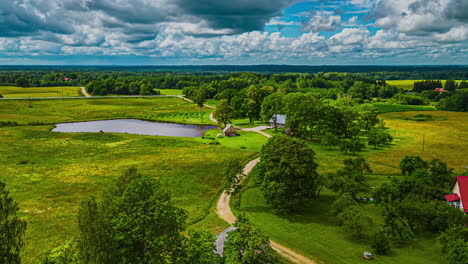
x=134, y=126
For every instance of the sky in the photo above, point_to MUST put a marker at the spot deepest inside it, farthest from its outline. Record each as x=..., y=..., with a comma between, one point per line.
x=238, y=32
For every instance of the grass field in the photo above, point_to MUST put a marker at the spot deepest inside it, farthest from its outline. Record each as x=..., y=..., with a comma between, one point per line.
x=170, y=91
x=69, y=110
x=9, y=91
x=409, y=84
x=387, y=108
x=314, y=234
x=49, y=173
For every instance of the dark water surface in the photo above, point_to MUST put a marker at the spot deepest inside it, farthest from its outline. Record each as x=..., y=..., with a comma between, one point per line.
x=134, y=126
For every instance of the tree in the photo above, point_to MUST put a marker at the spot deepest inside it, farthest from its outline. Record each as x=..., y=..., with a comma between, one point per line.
x=247, y=245
x=410, y=164
x=329, y=140
x=11, y=228
x=380, y=242
x=139, y=224
x=396, y=226
x=368, y=116
x=343, y=202
x=253, y=99
x=63, y=254
x=454, y=244
x=353, y=145
x=287, y=172
x=378, y=137
x=450, y=85
x=223, y=113
x=233, y=174
x=22, y=82
x=358, y=164
x=199, y=97
x=272, y=105
x=200, y=248
x=355, y=221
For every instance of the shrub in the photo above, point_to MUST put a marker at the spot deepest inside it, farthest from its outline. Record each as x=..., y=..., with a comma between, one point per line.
x=215, y=142
x=380, y=242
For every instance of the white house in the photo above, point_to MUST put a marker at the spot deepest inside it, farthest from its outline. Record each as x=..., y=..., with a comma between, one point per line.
x=280, y=120
x=459, y=196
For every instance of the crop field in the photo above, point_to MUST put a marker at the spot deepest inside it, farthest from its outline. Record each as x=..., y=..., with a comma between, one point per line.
x=409, y=84
x=66, y=91
x=314, y=234
x=150, y=108
x=49, y=173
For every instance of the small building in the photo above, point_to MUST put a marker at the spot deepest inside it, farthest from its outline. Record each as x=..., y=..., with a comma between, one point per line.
x=280, y=120
x=459, y=196
x=230, y=131
x=440, y=90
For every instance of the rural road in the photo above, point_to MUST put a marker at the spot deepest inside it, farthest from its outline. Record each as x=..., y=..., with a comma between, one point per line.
x=84, y=92
x=224, y=210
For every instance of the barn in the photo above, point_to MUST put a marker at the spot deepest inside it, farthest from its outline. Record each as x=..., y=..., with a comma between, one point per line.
x=230, y=131
x=459, y=196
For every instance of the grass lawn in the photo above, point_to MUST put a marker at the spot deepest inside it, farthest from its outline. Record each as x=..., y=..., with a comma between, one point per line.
x=409, y=84
x=170, y=91
x=49, y=173
x=250, y=141
x=9, y=91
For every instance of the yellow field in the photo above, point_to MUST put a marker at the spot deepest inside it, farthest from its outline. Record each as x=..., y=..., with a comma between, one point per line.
x=409, y=84
x=444, y=139
x=9, y=91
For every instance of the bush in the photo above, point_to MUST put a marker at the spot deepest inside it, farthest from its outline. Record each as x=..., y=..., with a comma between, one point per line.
x=8, y=123
x=380, y=243
x=215, y=142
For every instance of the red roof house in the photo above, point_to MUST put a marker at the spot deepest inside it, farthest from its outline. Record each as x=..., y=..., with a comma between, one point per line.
x=459, y=196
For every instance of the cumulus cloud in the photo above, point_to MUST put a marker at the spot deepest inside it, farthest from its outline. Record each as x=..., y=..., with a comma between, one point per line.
x=317, y=21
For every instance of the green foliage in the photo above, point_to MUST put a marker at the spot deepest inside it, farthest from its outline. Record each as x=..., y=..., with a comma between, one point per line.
x=253, y=100
x=457, y=102
x=329, y=140
x=247, y=245
x=355, y=221
x=233, y=174
x=63, y=254
x=223, y=113
x=272, y=105
x=341, y=204
x=200, y=248
x=410, y=164
x=454, y=244
x=287, y=173
x=136, y=222
x=368, y=116
x=380, y=243
x=396, y=226
x=352, y=145
x=12, y=228
x=22, y=82
x=378, y=137
x=349, y=179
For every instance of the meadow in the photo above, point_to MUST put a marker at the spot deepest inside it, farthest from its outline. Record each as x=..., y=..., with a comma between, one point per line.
x=312, y=232
x=409, y=84
x=66, y=91
x=50, y=173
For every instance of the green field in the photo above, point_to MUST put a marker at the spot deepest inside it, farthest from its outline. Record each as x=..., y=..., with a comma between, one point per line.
x=67, y=91
x=409, y=84
x=170, y=91
x=312, y=232
x=49, y=173
x=387, y=108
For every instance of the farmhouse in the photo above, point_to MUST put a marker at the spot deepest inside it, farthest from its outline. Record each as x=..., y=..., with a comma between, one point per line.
x=440, y=90
x=280, y=120
x=230, y=131
x=459, y=196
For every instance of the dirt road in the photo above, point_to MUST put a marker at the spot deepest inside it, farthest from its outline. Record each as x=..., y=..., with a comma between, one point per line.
x=84, y=92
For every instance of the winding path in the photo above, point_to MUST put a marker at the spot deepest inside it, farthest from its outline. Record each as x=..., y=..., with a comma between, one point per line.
x=84, y=92
x=223, y=210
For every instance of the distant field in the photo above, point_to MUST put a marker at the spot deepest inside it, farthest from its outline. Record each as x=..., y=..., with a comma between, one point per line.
x=170, y=91
x=9, y=91
x=409, y=84
x=49, y=173
x=387, y=108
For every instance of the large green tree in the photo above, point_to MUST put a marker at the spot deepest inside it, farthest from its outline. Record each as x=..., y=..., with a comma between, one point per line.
x=287, y=172
x=135, y=223
x=271, y=106
x=247, y=245
x=11, y=228
x=223, y=113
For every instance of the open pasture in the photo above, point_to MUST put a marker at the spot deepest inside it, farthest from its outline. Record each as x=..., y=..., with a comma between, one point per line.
x=50, y=173
x=11, y=92
x=409, y=84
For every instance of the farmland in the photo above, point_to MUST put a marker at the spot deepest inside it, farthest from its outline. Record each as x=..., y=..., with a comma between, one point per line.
x=408, y=84
x=9, y=91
